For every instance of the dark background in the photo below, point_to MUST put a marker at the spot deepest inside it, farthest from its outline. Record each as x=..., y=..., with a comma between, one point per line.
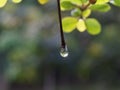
x=30, y=44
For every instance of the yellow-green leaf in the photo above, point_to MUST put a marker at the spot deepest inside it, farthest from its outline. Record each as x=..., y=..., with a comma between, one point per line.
x=76, y=2
x=42, y=1
x=81, y=25
x=16, y=1
x=86, y=13
x=69, y=24
x=2, y=3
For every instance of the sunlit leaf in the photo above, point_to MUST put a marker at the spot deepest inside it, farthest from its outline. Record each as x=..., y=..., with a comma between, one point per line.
x=101, y=8
x=69, y=24
x=16, y=1
x=2, y=3
x=76, y=2
x=83, y=1
x=102, y=1
x=42, y=1
x=81, y=25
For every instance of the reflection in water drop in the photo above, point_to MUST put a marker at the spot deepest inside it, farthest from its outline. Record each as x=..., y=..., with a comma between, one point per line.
x=64, y=51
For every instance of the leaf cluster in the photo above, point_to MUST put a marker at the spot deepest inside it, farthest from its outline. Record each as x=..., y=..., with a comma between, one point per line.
x=80, y=10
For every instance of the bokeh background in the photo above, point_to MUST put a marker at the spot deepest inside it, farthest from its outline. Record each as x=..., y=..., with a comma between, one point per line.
x=30, y=44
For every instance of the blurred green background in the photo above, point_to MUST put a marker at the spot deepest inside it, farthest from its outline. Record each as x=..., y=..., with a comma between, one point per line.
x=29, y=50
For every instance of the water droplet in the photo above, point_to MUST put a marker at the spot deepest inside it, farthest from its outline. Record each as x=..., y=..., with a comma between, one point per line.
x=64, y=51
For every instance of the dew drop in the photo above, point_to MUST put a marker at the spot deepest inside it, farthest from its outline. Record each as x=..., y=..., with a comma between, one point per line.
x=64, y=51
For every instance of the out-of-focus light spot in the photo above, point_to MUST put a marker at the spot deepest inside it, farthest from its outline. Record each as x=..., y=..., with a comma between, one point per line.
x=16, y=1
x=42, y=1
x=95, y=49
x=2, y=3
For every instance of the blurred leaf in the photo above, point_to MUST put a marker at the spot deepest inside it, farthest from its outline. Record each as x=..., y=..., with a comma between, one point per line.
x=93, y=26
x=2, y=3
x=76, y=2
x=67, y=5
x=42, y=1
x=16, y=1
x=83, y=1
x=102, y=1
x=76, y=12
x=101, y=8
x=81, y=25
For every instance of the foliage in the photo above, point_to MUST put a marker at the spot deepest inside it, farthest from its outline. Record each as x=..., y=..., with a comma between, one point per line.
x=81, y=10
x=29, y=47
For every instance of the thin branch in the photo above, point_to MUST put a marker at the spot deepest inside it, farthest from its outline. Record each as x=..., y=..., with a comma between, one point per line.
x=60, y=23
x=84, y=7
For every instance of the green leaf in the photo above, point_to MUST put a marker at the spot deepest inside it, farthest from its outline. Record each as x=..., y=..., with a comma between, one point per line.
x=117, y=2
x=93, y=26
x=86, y=13
x=81, y=25
x=67, y=5
x=102, y=1
x=69, y=24
x=76, y=12
x=101, y=8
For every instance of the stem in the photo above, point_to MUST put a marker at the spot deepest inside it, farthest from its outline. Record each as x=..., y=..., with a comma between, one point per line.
x=84, y=7
x=60, y=23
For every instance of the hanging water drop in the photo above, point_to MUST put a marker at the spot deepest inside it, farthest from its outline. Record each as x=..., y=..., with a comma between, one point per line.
x=64, y=51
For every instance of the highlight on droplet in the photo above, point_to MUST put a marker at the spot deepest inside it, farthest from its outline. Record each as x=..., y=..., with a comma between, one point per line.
x=64, y=51
x=16, y=1
x=2, y=3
